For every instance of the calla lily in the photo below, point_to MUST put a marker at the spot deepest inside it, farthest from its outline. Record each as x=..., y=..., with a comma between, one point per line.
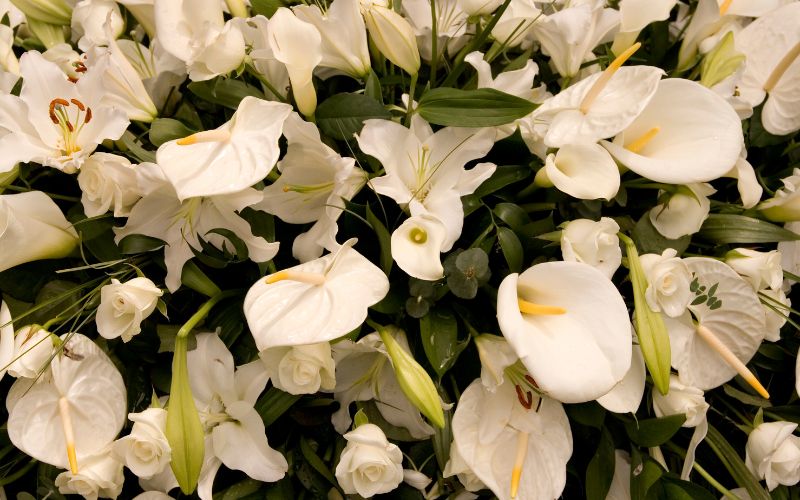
x=771, y=44
x=560, y=315
x=711, y=345
x=686, y=134
x=518, y=448
x=635, y=15
x=584, y=171
x=298, y=45
x=425, y=170
x=626, y=396
x=785, y=205
x=73, y=411
x=416, y=247
x=317, y=301
x=683, y=212
x=32, y=227
x=229, y=158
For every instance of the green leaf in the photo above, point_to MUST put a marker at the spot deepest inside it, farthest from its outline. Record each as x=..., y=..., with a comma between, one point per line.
x=511, y=247
x=193, y=277
x=384, y=240
x=439, y=332
x=503, y=176
x=315, y=462
x=239, y=490
x=654, y=431
x=675, y=489
x=649, y=471
x=590, y=414
x=600, y=471
x=273, y=404
x=372, y=88
x=649, y=240
x=139, y=243
x=472, y=108
x=730, y=228
x=266, y=7
x=167, y=129
x=732, y=461
x=135, y=149
x=342, y=115
x=226, y=92
x=513, y=215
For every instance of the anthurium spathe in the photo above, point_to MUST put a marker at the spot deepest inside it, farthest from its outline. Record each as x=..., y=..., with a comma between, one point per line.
x=561, y=315
x=686, y=134
x=73, y=411
x=230, y=158
x=32, y=227
x=313, y=302
x=584, y=171
x=425, y=170
x=53, y=121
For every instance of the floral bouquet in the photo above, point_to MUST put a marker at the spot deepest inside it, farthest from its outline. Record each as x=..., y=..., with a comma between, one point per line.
x=457, y=249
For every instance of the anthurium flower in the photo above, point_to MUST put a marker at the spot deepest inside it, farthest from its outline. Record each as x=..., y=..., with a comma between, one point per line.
x=635, y=15
x=683, y=211
x=313, y=302
x=53, y=121
x=314, y=184
x=583, y=171
x=32, y=227
x=771, y=44
x=686, y=134
x=225, y=397
x=560, y=315
x=123, y=307
x=416, y=247
x=592, y=242
x=73, y=411
x=518, y=446
x=425, y=170
x=746, y=182
x=230, y=158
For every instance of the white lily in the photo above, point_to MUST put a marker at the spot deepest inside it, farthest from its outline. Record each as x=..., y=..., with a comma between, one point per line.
x=425, y=170
x=73, y=411
x=96, y=22
x=235, y=434
x=8, y=60
x=53, y=121
x=515, y=27
x=314, y=184
x=313, y=302
x=684, y=211
x=635, y=15
x=496, y=355
x=584, y=171
x=32, y=227
x=417, y=246
x=479, y=7
x=256, y=35
x=558, y=315
x=143, y=11
x=451, y=25
x=230, y=158
x=161, y=73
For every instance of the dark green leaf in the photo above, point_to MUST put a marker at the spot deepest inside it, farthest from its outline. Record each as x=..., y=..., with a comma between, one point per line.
x=644, y=473
x=733, y=462
x=139, y=243
x=239, y=490
x=511, y=247
x=135, y=149
x=273, y=404
x=266, y=7
x=675, y=489
x=590, y=414
x=600, y=471
x=730, y=228
x=373, y=87
x=384, y=240
x=472, y=108
x=439, y=332
x=503, y=176
x=759, y=137
x=314, y=461
x=226, y=92
x=512, y=214
x=166, y=129
x=342, y=115
x=649, y=240
x=654, y=431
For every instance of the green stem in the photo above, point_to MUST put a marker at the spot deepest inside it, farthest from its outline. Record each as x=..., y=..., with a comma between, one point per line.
x=13, y=477
x=434, y=46
x=19, y=189
x=201, y=313
x=412, y=88
x=713, y=482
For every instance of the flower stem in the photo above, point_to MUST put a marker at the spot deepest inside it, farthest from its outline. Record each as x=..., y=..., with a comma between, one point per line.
x=713, y=482
x=410, y=109
x=201, y=313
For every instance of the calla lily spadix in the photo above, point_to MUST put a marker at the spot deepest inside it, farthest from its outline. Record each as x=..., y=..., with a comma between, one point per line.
x=599, y=106
x=313, y=302
x=712, y=344
x=230, y=158
x=73, y=411
x=416, y=247
x=686, y=134
x=559, y=316
x=298, y=45
x=584, y=171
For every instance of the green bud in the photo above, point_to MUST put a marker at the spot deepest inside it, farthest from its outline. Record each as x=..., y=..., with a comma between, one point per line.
x=360, y=418
x=48, y=33
x=47, y=11
x=6, y=178
x=721, y=62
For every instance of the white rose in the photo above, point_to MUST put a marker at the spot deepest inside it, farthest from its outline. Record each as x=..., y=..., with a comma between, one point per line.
x=681, y=399
x=683, y=214
x=89, y=18
x=773, y=454
x=108, y=182
x=668, y=280
x=760, y=269
x=123, y=306
x=99, y=476
x=302, y=369
x=369, y=464
x=145, y=451
x=32, y=351
x=785, y=205
x=776, y=314
x=593, y=243
x=152, y=495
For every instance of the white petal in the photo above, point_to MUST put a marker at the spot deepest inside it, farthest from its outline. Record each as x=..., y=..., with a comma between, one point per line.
x=627, y=394
x=585, y=171
x=416, y=247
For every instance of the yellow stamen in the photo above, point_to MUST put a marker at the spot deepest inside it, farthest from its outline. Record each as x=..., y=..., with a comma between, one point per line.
x=602, y=81
x=530, y=308
x=781, y=67
x=731, y=359
x=641, y=142
x=516, y=472
x=69, y=437
x=723, y=8
x=205, y=136
x=302, y=276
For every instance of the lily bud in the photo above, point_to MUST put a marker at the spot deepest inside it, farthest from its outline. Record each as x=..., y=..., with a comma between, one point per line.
x=721, y=62
x=47, y=11
x=394, y=37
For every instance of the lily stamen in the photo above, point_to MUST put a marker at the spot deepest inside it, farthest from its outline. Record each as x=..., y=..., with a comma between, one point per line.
x=525, y=398
x=605, y=77
x=723, y=8
x=69, y=437
x=642, y=141
x=301, y=276
x=58, y=112
x=526, y=307
x=519, y=462
x=205, y=136
x=730, y=358
x=781, y=67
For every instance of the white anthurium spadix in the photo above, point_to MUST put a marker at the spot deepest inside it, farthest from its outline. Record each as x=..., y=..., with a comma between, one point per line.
x=626, y=396
x=344, y=36
x=417, y=246
x=315, y=182
x=298, y=45
x=425, y=170
x=230, y=158
x=317, y=301
x=635, y=15
x=686, y=134
x=225, y=396
x=584, y=171
x=73, y=411
x=559, y=316
x=771, y=44
x=599, y=106
x=714, y=339
x=516, y=442
x=32, y=227
x=54, y=121
x=7, y=350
